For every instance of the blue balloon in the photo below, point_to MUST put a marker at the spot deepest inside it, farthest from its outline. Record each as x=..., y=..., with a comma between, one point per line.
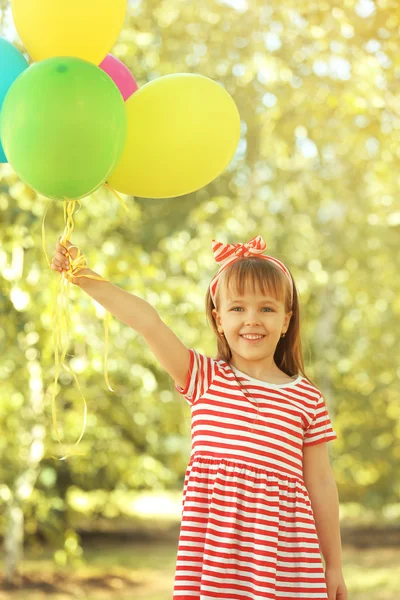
x=12, y=64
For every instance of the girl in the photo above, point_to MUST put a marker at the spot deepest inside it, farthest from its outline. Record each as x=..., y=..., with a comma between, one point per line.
x=259, y=501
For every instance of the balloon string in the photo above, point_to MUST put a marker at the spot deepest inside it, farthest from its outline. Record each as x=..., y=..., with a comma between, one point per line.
x=108, y=186
x=60, y=304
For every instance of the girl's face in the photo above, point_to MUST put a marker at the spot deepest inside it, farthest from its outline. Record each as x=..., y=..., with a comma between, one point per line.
x=251, y=314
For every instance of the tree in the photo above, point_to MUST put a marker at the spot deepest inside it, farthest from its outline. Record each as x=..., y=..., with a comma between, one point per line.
x=314, y=174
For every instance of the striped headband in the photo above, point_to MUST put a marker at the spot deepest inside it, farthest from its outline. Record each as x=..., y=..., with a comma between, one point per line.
x=225, y=254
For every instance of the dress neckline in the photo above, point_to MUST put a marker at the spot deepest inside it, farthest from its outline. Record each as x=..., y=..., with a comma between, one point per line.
x=275, y=385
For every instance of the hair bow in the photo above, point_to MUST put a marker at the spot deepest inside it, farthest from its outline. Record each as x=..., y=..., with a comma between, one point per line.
x=225, y=254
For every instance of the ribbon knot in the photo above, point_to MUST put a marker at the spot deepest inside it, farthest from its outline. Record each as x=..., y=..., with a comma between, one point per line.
x=225, y=253
x=255, y=246
x=240, y=250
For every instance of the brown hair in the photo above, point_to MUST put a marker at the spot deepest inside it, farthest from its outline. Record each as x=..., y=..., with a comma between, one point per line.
x=266, y=276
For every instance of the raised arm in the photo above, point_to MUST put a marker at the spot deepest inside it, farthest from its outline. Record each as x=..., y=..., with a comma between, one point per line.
x=135, y=312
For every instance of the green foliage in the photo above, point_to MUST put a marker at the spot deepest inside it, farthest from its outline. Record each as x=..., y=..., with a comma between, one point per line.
x=315, y=174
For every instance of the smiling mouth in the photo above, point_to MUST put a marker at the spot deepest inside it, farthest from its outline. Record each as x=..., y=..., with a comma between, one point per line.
x=253, y=339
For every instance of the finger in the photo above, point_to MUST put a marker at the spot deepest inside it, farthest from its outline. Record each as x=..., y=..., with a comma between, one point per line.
x=62, y=258
x=59, y=267
x=63, y=246
x=60, y=249
x=62, y=265
x=69, y=248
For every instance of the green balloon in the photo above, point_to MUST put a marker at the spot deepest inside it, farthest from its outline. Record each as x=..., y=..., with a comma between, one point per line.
x=63, y=127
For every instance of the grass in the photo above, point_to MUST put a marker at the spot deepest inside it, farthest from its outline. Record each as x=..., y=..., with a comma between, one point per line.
x=145, y=571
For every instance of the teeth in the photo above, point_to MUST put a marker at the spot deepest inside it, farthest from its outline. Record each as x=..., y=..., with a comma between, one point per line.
x=253, y=337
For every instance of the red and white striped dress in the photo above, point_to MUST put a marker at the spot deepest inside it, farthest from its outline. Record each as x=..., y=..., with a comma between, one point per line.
x=248, y=530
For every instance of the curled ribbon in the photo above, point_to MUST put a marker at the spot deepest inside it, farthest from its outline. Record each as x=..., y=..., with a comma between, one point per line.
x=61, y=313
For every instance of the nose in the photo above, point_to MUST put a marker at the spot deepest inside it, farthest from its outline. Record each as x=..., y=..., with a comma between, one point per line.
x=253, y=318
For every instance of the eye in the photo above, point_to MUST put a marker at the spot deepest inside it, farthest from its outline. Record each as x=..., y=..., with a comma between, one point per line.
x=266, y=307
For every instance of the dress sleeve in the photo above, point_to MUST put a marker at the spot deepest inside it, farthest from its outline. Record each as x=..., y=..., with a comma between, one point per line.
x=199, y=378
x=320, y=429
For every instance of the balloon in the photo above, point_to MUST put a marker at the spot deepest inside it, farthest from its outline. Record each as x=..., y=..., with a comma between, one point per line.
x=12, y=64
x=183, y=130
x=120, y=74
x=64, y=127
x=86, y=29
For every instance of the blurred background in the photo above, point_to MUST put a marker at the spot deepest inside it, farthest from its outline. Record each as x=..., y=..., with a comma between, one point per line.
x=316, y=174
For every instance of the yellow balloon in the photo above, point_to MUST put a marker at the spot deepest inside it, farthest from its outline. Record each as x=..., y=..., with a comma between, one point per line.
x=86, y=29
x=183, y=131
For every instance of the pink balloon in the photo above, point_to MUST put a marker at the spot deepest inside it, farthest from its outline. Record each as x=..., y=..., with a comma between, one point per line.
x=120, y=74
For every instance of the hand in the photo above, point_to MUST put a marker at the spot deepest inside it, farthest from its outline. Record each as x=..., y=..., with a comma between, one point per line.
x=335, y=583
x=62, y=261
